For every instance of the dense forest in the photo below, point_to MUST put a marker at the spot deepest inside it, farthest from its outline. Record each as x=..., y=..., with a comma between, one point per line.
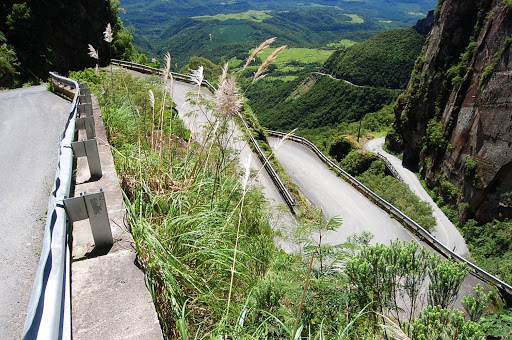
x=41, y=36
x=326, y=103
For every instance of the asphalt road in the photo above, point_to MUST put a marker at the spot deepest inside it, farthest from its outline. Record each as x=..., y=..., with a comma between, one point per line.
x=445, y=231
x=31, y=121
x=336, y=197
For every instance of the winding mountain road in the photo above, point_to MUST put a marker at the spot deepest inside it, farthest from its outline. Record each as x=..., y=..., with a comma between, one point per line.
x=31, y=121
x=336, y=197
x=445, y=231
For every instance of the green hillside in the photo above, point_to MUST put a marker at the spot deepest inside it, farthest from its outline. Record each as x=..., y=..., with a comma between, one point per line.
x=385, y=60
x=327, y=102
x=353, y=81
x=213, y=28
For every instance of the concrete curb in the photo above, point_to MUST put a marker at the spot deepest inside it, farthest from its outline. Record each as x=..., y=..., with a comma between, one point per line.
x=109, y=296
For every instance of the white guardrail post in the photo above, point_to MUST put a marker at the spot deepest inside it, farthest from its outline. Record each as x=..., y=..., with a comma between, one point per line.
x=49, y=311
x=504, y=288
x=288, y=198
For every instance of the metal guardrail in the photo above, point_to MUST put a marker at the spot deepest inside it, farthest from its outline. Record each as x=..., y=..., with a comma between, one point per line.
x=390, y=167
x=476, y=271
x=49, y=310
x=290, y=201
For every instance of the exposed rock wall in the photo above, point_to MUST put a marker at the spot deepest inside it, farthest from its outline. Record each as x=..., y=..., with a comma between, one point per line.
x=455, y=117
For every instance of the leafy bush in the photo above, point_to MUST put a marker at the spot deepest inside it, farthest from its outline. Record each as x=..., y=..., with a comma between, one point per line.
x=340, y=149
x=439, y=323
x=357, y=162
x=9, y=64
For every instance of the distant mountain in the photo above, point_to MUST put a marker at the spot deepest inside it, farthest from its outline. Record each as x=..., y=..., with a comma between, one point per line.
x=187, y=28
x=399, y=10
x=385, y=60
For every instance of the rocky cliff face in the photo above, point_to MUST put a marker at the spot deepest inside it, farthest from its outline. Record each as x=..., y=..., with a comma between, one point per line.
x=455, y=117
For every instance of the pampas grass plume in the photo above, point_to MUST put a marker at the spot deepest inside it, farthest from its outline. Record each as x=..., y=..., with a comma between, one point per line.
x=151, y=99
x=258, y=50
x=167, y=66
x=259, y=73
x=224, y=74
x=108, y=34
x=93, y=53
x=227, y=98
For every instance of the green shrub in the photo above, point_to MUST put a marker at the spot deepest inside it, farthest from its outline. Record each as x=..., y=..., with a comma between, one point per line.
x=357, y=162
x=340, y=149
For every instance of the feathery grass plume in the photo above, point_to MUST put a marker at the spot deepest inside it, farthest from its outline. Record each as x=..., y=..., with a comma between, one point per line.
x=167, y=69
x=92, y=52
x=258, y=50
x=259, y=73
x=227, y=98
x=282, y=140
x=151, y=99
x=108, y=34
x=224, y=74
x=197, y=75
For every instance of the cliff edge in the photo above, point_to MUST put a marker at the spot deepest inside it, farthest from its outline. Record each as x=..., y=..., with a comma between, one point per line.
x=455, y=118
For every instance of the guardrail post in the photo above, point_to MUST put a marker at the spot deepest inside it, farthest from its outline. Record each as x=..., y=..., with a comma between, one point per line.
x=89, y=148
x=93, y=207
x=85, y=108
x=84, y=98
x=86, y=123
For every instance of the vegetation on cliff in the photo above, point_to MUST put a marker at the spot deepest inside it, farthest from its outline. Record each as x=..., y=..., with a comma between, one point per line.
x=41, y=36
x=454, y=128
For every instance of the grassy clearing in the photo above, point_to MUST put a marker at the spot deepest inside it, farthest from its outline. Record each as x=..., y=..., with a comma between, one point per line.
x=343, y=43
x=356, y=19
x=251, y=15
x=295, y=54
x=283, y=78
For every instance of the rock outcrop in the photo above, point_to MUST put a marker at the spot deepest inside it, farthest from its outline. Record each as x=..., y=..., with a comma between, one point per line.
x=424, y=26
x=455, y=117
